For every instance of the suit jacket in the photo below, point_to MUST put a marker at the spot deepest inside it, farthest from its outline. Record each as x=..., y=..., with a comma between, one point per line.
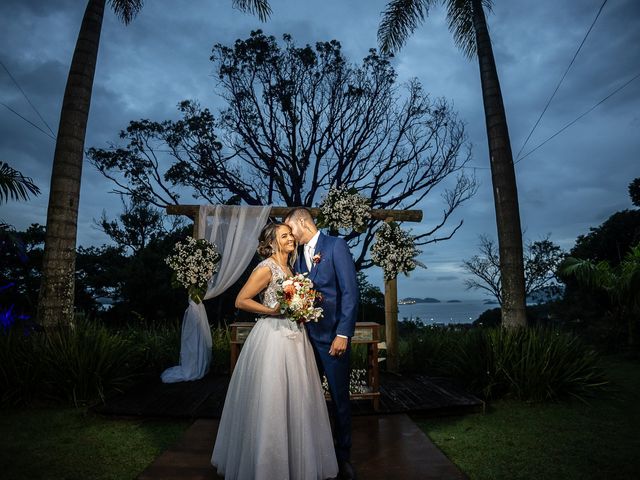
x=334, y=276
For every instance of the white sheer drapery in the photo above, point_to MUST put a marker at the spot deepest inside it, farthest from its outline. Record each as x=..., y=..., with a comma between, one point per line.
x=234, y=230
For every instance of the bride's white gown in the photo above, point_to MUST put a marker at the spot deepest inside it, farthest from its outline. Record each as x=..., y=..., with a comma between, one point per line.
x=274, y=424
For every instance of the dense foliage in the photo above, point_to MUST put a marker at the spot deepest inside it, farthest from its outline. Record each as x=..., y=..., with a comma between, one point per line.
x=533, y=363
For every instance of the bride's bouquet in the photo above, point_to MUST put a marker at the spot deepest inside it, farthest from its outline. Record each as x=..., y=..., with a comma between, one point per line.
x=193, y=263
x=298, y=299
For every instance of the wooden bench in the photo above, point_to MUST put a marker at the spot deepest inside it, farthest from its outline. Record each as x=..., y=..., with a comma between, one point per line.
x=367, y=333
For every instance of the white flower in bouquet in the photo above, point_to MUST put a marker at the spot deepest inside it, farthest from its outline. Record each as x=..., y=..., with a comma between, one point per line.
x=344, y=208
x=298, y=299
x=394, y=251
x=193, y=263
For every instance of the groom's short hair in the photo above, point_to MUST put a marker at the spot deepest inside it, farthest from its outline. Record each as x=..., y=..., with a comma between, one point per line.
x=299, y=213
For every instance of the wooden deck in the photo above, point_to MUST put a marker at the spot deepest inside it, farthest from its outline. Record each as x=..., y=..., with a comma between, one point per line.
x=205, y=398
x=384, y=447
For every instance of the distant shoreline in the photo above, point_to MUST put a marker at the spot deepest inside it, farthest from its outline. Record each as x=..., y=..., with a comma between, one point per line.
x=414, y=300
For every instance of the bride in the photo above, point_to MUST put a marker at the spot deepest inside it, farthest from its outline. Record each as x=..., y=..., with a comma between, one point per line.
x=274, y=424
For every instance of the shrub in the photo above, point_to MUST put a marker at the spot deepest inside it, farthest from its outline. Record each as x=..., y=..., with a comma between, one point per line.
x=155, y=346
x=21, y=368
x=535, y=364
x=85, y=361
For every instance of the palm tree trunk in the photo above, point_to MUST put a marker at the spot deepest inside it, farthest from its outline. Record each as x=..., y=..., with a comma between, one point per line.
x=505, y=193
x=55, y=303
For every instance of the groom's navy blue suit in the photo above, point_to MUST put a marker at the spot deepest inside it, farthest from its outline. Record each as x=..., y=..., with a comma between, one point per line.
x=334, y=276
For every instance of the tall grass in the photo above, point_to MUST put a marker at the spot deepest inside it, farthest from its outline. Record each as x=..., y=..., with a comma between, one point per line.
x=21, y=369
x=534, y=364
x=84, y=363
x=155, y=346
x=221, y=337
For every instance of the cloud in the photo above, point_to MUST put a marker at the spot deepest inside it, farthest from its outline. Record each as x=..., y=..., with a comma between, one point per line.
x=573, y=182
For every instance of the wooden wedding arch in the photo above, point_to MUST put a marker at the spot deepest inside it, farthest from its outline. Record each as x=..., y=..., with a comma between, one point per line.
x=390, y=286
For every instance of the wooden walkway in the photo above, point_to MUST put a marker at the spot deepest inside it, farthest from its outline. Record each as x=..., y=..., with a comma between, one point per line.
x=384, y=447
x=205, y=398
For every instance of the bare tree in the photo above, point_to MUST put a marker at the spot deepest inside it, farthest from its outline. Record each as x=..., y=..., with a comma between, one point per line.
x=541, y=261
x=299, y=120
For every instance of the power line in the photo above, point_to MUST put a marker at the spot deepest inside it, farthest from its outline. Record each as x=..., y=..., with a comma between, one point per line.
x=27, y=98
x=579, y=117
x=27, y=120
x=561, y=80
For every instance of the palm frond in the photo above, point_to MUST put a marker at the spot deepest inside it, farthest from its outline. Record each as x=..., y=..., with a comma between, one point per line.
x=126, y=10
x=630, y=277
x=590, y=274
x=460, y=20
x=259, y=7
x=399, y=19
x=15, y=185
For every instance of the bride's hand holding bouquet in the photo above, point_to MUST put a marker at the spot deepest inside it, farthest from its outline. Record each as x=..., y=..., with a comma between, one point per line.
x=298, y=300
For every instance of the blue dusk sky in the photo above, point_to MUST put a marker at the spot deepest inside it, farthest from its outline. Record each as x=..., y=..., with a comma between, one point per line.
x=574, y=181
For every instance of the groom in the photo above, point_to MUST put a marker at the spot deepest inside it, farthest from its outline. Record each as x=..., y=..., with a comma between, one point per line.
x=333, y=273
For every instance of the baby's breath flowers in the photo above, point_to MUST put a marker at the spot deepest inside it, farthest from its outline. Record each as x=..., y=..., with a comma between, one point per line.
x=394, y=250
x=342, y=208
x=193, y=263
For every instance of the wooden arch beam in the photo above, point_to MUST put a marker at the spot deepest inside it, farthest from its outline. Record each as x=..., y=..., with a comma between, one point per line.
x=191, y=211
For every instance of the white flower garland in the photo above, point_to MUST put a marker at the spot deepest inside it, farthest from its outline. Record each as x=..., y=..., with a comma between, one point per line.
x=395, y=251
x=193, y=263
x=342, y=208
x=357, y=382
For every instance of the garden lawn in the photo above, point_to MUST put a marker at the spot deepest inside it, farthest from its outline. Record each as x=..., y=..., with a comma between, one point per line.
x=554, y=441
x=70, y=444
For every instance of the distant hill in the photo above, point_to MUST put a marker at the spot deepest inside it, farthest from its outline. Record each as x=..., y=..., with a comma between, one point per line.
x=454, y=301
x=410, y=300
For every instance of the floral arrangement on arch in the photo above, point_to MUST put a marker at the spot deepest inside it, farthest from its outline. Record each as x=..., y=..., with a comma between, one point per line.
x=395, y=251
x=344, y=208
x=193, y=263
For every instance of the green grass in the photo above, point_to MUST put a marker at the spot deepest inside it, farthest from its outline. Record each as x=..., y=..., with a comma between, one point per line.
x=70, y=444
x=556, y=441
x=513, y=440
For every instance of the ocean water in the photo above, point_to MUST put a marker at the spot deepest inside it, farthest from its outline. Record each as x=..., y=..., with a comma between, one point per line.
x=465, y=311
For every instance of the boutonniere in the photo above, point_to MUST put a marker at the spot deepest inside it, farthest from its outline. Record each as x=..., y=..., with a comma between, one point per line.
x=316, y=258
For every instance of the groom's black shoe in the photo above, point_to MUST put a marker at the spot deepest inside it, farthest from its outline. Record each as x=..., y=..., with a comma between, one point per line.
x=346, y=471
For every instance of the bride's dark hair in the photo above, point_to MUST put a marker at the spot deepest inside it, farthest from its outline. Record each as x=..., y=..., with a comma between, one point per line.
x=268, y=243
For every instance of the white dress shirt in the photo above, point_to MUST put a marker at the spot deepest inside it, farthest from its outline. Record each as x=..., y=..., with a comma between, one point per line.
x=309, y=250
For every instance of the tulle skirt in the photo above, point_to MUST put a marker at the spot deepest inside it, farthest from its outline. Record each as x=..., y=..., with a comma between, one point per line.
x=275, y=424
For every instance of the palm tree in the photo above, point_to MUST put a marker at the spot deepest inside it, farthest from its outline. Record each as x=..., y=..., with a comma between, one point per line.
x=468, y=24
x=14, y=185
x=55, y=303
x=620, y=283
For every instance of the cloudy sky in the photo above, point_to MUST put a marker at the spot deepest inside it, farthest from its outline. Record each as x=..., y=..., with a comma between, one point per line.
x=574, y=181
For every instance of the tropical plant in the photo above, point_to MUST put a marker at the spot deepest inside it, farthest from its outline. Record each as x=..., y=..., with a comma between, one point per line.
x=634, y=191
x=14, y=185
x=621, y=284
x=468, y=24
x=55, y=304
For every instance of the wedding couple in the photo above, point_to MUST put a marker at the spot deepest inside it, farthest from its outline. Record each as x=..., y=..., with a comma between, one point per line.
x=275, y=423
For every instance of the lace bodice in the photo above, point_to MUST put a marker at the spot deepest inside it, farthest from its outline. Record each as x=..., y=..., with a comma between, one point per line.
x=268, y=295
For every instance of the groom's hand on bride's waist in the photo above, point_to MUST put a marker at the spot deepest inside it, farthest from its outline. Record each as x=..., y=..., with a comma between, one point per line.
x=338, y=346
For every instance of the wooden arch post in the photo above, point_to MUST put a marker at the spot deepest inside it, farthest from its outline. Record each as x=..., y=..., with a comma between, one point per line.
x=390, y=286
